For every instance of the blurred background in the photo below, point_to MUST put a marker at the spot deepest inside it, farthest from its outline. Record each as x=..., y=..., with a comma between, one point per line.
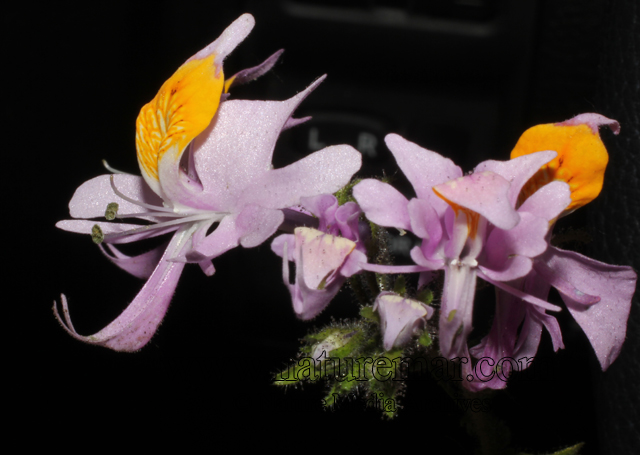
x=461, y=77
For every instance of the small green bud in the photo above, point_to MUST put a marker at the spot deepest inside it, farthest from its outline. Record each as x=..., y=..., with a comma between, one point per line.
x=425, y=296
x=112, y=211
x=370, y=315
x=425, y=339
x=96, y=234
x=400, y=286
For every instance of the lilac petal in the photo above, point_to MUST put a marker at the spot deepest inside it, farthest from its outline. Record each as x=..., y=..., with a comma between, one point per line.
x=605, y=323
x=139, y=321
x=322, y=255
x=531, y=332
x=325, y=171
x=307, y=301
x=456, y=313
x=200, y=234
x=508, y=270
x=538, y=287
x=520, y=294
x=295, y=217
x=278, y=246
x=423, y=168
x=426, y=224
x=549, y=201
x=383, y=268
x=562, y=285
x=425, y=278
x=353, y=263
x=291, y=122
x=593, y=121
x=526, y=239
x=518, y=170
x=400, y=318
x=221, y=240
x=251, y=74
x=177, y=186
x=382, y=204
x=91, y=198
x=347, y=219
x=484, y=193
x=235, y=150
x=140, y=266
x=499, y=344
x=534, y=320
x=112, y=231
x=256, y=224
x=207, y=267
x=427, y=263
x=233, y=35
x=324, y=207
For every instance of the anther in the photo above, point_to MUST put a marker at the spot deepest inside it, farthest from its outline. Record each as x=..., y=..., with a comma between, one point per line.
x=96, y=234
x=112, y=211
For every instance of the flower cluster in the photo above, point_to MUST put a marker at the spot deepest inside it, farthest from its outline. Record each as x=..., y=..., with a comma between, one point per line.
x=207, y=178
x=495, y=223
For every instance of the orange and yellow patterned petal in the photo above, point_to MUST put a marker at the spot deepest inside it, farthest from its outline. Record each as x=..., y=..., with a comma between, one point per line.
x=181, y=110
x=185, y=106
x=581, y=161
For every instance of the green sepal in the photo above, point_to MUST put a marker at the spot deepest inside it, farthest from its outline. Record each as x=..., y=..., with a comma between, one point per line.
x=425, y=295
x=345, y=194
x=342, y=339
x=369, y=315
x=340, y=388
x=400, y=286
x=425, y=339
x=305, y=368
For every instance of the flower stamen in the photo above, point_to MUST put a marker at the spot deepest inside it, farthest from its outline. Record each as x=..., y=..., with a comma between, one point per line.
x=96, y=234
x=112, y=211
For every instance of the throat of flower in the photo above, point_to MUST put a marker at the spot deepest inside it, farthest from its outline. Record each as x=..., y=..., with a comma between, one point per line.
x=172, y=219
x=467, y=234
x=457, y=307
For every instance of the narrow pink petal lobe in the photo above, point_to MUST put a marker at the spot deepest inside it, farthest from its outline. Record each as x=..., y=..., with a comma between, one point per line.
x=139, y=321
x=593, y=120
x=604, y=323
x=140, y=266
x=422, y=167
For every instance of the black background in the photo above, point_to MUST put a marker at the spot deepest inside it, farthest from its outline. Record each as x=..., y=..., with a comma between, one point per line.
x=464, y=81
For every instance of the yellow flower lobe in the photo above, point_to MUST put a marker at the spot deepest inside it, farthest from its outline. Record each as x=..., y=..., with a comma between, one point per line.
x=184, y=106
x=581, y=161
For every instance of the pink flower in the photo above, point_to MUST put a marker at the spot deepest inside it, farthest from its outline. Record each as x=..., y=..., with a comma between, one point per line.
x=597, y=295
x=495, y=224
x=400, y=318
x=204, y=160
x=468, y=225
x=324, y=257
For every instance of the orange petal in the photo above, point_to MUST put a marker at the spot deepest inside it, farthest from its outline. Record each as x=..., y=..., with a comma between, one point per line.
x=581, y=161
x=181, y=110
